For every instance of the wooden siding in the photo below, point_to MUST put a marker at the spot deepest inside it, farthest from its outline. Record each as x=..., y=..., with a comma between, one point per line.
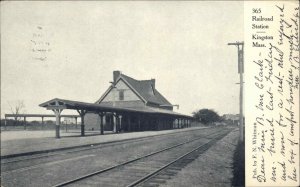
x=113, y=95
x=158, y=106
x=92, y=121
x=125, y=104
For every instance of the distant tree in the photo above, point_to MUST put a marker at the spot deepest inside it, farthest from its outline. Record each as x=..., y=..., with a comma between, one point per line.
x=206, y=116
x=17, y=108
x=49, y=122
x=35, y=122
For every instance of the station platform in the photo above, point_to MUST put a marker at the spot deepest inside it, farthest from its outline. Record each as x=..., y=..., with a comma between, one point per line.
x=21, y=143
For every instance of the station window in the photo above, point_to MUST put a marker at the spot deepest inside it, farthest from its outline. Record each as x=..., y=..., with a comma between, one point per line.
x=121, y=95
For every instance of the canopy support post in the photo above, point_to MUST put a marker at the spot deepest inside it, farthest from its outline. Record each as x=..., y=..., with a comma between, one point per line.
x=42, y=122
x=120, y=122
x=5, y=123
x=82, y=114
x=117, y=124
x=57, y=126
x=101, y=123
x=24, y=123
x=76, y=122
x=114, y=123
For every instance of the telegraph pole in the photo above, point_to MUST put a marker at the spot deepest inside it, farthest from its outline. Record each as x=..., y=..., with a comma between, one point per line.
x=240, y=47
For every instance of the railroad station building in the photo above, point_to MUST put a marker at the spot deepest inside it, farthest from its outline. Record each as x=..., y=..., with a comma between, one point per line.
x=141, y=95
x=127, y=105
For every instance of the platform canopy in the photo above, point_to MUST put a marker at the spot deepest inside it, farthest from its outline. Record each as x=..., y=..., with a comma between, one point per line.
x=58, y=105
x=61, y=104
x=38, y=115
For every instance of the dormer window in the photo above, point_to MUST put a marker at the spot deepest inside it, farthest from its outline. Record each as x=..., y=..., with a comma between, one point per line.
x=121, y=95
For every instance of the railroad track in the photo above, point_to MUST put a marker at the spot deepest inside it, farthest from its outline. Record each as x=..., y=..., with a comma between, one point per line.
x=36, y=162
x=85, y=148
x=150, y=169
x=169, y=170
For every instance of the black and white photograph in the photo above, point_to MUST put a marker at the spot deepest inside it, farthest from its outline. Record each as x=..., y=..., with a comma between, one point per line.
x=138, y=93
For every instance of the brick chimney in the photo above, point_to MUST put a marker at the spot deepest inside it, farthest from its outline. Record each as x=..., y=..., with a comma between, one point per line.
x=153, y=83
x=116, y=75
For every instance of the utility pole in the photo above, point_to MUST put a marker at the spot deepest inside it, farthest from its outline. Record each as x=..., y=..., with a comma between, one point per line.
x=240, y=47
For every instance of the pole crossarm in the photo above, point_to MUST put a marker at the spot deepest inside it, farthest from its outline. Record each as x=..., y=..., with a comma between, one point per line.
x=236, y=43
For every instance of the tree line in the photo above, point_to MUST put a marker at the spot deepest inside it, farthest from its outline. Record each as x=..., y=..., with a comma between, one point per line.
x=207, y=116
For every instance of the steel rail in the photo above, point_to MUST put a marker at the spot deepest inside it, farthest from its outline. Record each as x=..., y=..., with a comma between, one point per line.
x=154, y=173
x=93, y=146
x=38, y=164
x=127, y=162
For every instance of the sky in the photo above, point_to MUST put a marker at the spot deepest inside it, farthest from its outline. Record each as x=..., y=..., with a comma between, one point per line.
x=183, y=45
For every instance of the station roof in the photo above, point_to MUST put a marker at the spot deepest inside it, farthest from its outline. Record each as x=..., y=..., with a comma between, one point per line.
x=145, y=89
x=95, y=108
x=38, y=115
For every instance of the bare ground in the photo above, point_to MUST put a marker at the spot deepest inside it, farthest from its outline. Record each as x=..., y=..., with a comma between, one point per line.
x=212, y=169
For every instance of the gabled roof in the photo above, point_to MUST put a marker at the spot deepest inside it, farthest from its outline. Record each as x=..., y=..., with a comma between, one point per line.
x=96, y=108
x=144, y=89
